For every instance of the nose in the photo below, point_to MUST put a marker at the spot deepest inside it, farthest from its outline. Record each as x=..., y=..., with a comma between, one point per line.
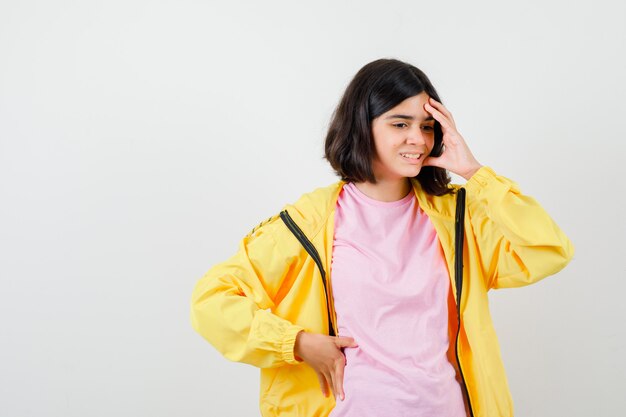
x=416, y=136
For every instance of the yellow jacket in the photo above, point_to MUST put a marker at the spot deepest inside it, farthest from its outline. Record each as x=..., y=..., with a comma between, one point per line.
x=251, y=306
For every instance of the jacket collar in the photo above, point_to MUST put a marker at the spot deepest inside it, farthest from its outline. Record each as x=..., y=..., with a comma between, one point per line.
x=312, y=210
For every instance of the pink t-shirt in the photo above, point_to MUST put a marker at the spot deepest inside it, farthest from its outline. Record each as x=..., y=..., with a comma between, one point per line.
x=390, y=287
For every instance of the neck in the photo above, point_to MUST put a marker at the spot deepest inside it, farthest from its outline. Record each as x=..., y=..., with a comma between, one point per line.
x=386, y=190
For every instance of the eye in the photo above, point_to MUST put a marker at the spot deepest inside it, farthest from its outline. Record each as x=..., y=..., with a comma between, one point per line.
x=428, y=128
x=399, y=125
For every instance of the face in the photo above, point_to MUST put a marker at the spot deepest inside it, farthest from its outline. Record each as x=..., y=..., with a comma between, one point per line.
x=404, y=129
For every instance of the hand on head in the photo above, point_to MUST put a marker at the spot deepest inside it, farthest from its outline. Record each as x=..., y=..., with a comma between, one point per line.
x=456, y=156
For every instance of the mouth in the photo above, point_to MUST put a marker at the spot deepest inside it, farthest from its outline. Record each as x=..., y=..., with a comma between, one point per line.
x=412, y=156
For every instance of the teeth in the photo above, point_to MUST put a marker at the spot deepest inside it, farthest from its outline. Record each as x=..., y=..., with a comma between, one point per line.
x=411, y=155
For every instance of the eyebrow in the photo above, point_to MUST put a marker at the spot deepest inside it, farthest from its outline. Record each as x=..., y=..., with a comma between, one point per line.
x=406, y=117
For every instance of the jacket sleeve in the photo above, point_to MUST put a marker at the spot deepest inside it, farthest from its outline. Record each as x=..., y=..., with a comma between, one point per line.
x=518, y=241
x=231, y=304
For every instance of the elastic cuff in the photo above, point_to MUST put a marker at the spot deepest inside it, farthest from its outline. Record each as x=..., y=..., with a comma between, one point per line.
x=288, y=344
x=480, y=177
x=485, y=178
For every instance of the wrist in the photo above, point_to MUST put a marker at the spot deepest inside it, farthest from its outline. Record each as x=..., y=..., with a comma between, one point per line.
x=468, y=174
x=297, y=345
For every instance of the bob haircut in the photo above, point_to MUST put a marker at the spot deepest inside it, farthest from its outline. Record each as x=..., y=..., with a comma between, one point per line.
x=375, y=89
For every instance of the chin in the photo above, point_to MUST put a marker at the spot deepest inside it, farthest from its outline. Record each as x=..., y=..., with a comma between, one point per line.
x=413, y=172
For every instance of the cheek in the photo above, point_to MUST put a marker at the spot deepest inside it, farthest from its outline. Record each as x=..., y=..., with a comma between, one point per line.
x=430, y=141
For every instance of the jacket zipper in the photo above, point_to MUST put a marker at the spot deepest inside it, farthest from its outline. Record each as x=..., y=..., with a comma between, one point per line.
x=308, y=246
x=458, y=276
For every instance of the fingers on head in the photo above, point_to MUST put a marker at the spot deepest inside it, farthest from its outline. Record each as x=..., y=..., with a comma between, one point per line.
x=439, y=106
x=442, y=118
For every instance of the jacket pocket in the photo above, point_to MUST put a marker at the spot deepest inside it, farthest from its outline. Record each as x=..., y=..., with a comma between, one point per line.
x=268, y=403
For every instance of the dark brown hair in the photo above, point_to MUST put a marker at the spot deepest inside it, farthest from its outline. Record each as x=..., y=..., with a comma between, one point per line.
x=375, y=89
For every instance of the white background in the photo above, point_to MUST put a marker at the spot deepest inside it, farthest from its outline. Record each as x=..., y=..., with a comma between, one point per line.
x=140, y=140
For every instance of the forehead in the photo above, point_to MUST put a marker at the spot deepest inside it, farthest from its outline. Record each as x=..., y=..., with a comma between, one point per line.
x=411, y=108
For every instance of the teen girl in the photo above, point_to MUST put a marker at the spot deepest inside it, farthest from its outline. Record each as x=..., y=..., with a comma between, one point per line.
x=374, y=288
